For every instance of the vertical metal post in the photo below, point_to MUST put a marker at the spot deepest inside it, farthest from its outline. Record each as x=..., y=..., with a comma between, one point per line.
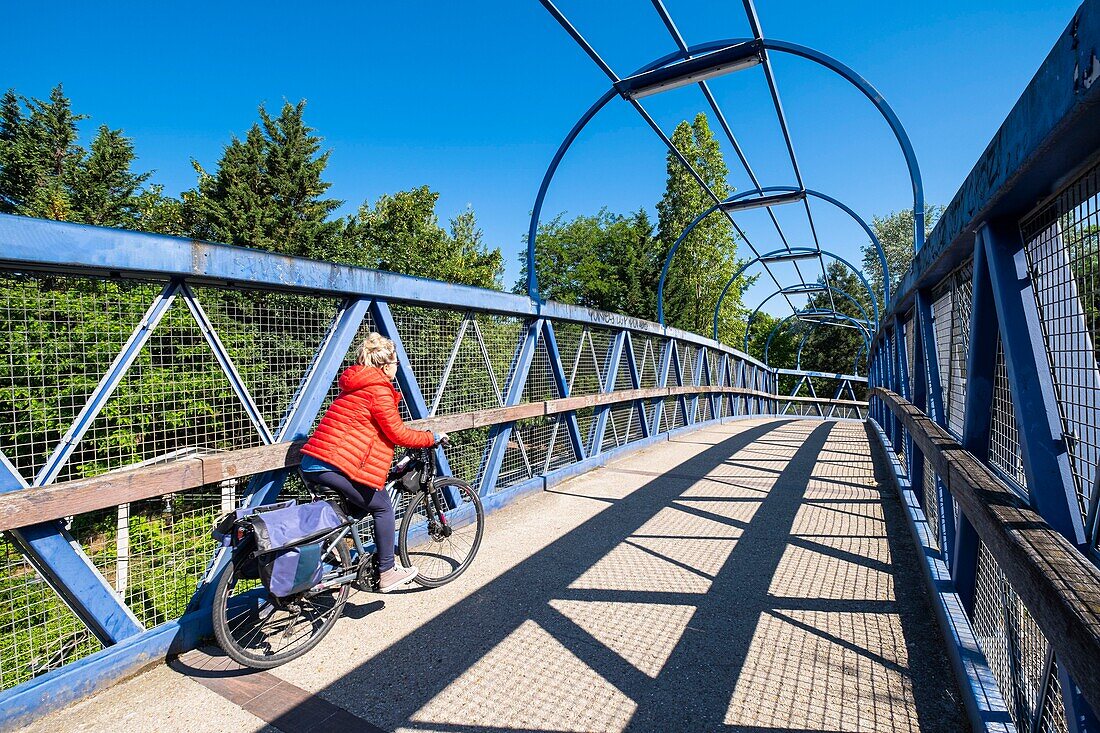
x=562, y=383
x=501, y=434
x=1042, y=445
x=696, y=380
x=977, y=416
x=614, y=354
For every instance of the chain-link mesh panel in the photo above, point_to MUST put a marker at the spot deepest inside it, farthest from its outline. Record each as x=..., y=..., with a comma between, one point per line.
x=910, y=329
x=941, y=329
x=431, y=340
x=1010, y=639
x=647, y=352
x=962, y=302
x=62, y=334
x=155, y=551
x=1004, y=434
x=1053, y=719
x=271, y=339
x=174, y=401
x=931, y=503
x=1063, y=249
x=38, y=632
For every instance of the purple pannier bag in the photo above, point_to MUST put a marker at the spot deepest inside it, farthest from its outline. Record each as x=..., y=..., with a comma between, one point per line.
x=289, y=547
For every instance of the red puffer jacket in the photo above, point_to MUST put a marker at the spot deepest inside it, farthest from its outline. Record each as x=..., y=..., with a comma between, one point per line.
x=361, y=427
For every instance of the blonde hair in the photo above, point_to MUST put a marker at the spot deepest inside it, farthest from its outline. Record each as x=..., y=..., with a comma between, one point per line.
x=376, y=350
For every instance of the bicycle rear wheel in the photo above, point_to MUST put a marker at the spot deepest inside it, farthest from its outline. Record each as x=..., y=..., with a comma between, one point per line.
x=441, y=531
x=260, y=631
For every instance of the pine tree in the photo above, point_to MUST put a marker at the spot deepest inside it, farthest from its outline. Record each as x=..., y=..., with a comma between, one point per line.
x=266, y=191
x=106, y=191
x=707, y=258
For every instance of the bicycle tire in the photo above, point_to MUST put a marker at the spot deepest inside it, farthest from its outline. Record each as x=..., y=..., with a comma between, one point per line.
x=240, y=653
x=426, y=561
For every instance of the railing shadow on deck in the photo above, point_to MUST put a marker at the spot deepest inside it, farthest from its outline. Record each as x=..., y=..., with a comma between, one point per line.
x=713, y=624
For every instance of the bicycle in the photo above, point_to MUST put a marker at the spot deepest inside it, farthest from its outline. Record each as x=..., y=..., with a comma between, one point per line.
x=440, y=532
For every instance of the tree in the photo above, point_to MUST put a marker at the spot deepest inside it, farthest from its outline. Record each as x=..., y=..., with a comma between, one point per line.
x=45, y=173
x=401, y=233
x=607, y=261
x=895, y=232
x=105, y=191
x=267, y=190
x=832, y=347
x=707, y=257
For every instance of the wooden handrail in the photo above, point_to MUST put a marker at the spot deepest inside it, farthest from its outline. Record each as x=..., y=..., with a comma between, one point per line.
x=34, y=505
x=1058, y=585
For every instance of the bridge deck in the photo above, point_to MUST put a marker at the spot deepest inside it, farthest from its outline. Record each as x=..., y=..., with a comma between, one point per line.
x=754, y=576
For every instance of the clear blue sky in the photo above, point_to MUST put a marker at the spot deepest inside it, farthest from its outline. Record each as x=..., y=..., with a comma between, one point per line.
x=474, y=98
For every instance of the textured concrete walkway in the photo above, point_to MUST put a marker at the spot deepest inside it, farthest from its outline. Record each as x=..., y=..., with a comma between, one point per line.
x=752, y=577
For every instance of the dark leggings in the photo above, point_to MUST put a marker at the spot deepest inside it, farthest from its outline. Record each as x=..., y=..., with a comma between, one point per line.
x=374, y=501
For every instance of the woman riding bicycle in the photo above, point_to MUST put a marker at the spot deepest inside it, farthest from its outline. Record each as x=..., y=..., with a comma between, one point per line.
x=352, y=448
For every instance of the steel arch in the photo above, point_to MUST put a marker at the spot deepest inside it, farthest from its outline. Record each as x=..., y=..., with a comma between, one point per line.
x=753, y=261
x=796, y=290
x=862, y=327
x=794, y=49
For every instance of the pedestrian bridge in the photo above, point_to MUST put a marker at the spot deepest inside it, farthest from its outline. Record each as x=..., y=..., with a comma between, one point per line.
x=682, y=535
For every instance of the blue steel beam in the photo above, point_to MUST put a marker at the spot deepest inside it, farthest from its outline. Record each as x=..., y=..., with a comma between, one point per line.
x=662, y=381
x=562, y=384
x=500, y=435
x=977, y=415
x=1043, y=447
x=61, y=562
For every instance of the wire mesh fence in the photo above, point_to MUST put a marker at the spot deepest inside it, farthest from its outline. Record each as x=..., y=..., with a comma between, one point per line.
x=1011, y=641
x=216, y=368
x=1063, y=249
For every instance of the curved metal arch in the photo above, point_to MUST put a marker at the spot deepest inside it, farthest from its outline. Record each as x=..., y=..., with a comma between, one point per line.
x=796, y=289
x=753, y=261
x=840, y=316
x=794, y=49
x=770, y=189
x=809, y=332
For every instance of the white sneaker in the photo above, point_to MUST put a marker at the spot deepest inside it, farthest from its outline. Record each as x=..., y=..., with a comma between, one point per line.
x=396, y=577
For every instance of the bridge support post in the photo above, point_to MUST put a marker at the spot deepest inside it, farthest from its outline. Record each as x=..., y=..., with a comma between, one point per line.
x=563, y=386
x=977, y=415
x=501, y=434
x=636, y=383
x=614, y=355
x=1042, y=444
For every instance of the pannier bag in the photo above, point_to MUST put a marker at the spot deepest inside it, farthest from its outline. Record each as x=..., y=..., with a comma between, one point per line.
x=288, y=547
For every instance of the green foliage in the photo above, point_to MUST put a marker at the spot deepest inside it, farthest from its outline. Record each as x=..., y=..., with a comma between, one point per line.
x=401, y=233
x=607, y=261
x=829, y=347
x=895, y=232
x=707, y=257
x=266, y=191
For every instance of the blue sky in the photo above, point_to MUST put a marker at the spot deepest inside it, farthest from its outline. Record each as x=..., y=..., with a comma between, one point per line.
x=474, y=98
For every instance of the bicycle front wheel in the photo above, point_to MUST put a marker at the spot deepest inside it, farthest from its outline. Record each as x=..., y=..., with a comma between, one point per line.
x=441, y=531
x=260, y=631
